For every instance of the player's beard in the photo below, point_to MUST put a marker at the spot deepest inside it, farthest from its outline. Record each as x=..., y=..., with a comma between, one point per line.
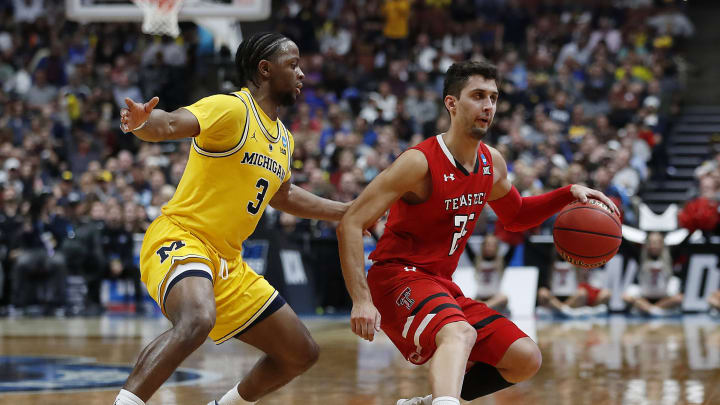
x=478, y=133
x=287, y=98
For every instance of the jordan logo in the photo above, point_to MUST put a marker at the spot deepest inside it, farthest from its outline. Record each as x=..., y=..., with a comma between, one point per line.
x=404, y=299
x=253, y=137
x=449, y=176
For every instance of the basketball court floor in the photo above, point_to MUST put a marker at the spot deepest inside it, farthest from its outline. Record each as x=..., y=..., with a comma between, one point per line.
x=598, y=361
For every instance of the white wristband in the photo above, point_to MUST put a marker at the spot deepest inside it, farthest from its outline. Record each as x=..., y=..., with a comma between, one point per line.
x=126, y=397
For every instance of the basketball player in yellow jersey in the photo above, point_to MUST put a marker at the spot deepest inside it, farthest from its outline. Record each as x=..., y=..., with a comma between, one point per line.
x=191, y=257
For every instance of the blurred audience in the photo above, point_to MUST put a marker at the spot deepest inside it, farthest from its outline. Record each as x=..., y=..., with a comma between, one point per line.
x=581, y=87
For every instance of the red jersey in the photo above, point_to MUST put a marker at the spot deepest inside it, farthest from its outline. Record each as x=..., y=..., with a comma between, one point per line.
x=432, y=235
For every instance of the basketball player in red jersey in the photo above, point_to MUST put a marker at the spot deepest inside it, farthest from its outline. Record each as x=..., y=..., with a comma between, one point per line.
x=435, y=192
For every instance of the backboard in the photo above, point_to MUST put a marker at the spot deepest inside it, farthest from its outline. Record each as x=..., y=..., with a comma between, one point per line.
x=125, y=10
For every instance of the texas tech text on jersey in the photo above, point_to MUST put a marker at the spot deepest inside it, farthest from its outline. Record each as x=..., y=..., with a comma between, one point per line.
x=465, y=200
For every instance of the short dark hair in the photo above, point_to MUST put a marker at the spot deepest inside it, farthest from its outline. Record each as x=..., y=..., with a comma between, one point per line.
x=458, y=74
x=263, y=45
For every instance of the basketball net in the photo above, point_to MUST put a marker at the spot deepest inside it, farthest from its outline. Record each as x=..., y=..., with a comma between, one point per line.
x=160, y=16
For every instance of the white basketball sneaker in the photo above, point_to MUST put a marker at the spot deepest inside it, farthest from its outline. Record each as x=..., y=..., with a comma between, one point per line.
x=213, y=403
x=416, y=401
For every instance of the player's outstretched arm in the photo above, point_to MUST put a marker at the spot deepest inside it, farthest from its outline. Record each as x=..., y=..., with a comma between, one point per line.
x=405, y=175
x=304, y=204
x=151, y=125
x=520, y=213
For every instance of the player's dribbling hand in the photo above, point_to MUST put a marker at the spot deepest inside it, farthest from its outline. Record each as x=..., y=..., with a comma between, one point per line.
x=365, y=320
x=136, y=114
x=582, y=193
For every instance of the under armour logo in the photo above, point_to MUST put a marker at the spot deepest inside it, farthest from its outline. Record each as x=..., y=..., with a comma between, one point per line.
x=486, y=170
x=405, y=300
x=410, y=268
x=449, y=176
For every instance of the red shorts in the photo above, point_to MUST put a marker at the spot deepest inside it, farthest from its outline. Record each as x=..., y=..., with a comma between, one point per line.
x=414, y=305
x=592, y=293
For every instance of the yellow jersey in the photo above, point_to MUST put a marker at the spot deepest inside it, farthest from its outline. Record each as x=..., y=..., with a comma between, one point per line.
x=397, y=16
x=236, y=165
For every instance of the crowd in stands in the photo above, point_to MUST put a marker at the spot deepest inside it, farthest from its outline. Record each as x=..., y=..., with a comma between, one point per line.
x=587, y=95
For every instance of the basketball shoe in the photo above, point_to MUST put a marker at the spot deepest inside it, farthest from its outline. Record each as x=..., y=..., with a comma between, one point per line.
x=427, y=400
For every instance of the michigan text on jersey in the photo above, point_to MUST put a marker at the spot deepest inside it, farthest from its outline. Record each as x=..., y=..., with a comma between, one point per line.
x=266, y=162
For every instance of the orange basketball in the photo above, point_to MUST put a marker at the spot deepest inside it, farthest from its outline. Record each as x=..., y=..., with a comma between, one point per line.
x=587, y=234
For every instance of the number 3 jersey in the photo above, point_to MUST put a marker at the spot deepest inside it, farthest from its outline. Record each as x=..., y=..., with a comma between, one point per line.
x=432, y=235
x=236, y=165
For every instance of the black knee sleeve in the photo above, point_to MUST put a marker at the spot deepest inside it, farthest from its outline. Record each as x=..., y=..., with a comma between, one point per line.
x=482, y=379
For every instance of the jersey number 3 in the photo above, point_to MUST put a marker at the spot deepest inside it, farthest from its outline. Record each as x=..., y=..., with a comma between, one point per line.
x=262, y=185
x=460, y=221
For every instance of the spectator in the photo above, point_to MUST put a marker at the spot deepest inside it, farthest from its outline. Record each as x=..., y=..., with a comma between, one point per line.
x=335, y=39
x=86, y=253
x=27, y=11
x=626, y=177
x=385, y=101
x=578, y=50
x=117, y=248
x=11, y=219
x=397, y=24
x=570, y=293
x=672, y=22
x=489, y=268
x=601, y=181
x=41, y=92
x=39, y=270
x=657, y=292
x=702, y=212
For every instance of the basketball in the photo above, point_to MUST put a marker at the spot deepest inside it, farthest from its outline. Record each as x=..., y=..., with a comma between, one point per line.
x=587, y=234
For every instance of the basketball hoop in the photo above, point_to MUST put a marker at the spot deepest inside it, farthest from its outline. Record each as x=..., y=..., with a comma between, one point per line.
x=160, y=17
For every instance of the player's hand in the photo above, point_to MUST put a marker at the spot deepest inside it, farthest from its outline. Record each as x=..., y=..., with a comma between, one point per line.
x=582, y=193
x=136, y=114
x=365, y=320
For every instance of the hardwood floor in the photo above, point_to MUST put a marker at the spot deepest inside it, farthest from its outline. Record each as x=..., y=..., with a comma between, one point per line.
x=603, y=361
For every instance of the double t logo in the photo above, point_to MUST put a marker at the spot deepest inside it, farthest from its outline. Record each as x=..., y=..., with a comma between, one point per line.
x=405, y=300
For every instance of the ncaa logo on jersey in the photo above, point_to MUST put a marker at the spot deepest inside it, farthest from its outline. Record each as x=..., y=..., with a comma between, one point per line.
x=283, y=149
x=404, y=299
x=486, y=168
x=484, y=160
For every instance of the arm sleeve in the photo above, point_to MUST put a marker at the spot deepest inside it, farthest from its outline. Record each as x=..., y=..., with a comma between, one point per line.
x=521, y=213
x=222, y=121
